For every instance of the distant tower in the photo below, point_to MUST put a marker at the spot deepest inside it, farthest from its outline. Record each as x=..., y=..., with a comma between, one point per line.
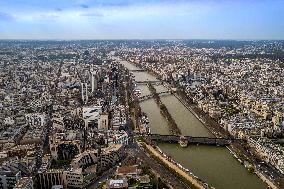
x=103, y=122
x=53, y=148
x=85, y=134
x=84, y=92
x=86, y=89
x=93, y=82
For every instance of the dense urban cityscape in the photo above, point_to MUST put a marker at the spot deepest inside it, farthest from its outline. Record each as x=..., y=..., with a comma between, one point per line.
x=141, y=114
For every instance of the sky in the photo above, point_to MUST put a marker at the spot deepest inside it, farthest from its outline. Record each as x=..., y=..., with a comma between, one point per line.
x=142, y=19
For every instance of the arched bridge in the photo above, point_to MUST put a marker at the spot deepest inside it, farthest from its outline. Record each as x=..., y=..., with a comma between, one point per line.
x=146, y=97
x=190, y=139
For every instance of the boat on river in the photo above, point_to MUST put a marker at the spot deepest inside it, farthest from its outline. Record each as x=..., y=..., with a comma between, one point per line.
x=183, y=142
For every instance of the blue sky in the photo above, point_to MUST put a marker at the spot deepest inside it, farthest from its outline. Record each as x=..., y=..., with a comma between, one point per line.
x=142, y=19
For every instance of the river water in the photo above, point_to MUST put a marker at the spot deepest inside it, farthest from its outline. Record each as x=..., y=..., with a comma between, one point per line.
x=215, y=165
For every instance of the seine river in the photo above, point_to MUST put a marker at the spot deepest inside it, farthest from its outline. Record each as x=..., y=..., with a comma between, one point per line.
x=213, y=164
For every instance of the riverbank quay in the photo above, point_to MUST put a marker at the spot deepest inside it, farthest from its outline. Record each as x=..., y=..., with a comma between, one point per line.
x=264, y=179
x=133, y=106
x=243, y=155
x=174, y=167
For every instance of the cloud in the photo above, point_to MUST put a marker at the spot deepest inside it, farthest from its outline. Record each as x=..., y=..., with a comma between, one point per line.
x=46, y=16
x=85, y=10
x=6, y=17
x=92, y=15
x=84, y=6
x=115, y=4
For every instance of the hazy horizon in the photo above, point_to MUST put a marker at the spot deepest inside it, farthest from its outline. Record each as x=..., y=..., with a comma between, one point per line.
x=150, y=19
x=114, y=39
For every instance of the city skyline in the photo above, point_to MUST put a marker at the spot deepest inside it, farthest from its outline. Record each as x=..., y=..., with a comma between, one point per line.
x=162, y=19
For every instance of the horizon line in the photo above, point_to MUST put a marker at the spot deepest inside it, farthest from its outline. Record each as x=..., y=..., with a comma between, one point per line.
x=146, y=39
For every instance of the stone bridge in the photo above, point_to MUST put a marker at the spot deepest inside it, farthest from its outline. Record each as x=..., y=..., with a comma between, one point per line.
x=191, y=140
x=146, y=97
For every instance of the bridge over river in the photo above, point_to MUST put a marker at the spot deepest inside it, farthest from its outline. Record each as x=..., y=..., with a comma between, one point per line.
x=191, y=140
x=149, y=96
